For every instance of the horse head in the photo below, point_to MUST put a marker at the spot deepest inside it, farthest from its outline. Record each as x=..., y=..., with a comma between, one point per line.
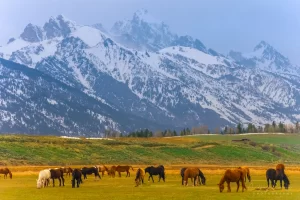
x=221, y=187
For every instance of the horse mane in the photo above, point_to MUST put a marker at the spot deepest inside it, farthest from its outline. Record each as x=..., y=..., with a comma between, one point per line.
x=222, y=181
x=138, y=174
x=201, y=174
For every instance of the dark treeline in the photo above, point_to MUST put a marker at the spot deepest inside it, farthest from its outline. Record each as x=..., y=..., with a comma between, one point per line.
x=240, y=128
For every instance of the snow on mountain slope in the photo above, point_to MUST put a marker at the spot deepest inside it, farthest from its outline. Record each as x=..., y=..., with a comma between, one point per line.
x=175, y=81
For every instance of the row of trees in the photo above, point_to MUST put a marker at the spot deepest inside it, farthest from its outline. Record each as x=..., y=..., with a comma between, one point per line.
x=240, y=128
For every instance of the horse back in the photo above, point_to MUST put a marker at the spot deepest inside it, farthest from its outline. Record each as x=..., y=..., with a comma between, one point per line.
x=191, y=172
x=233, y=175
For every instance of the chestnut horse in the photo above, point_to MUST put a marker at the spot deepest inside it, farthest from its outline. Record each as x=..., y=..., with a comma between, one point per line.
x=57, y=174
x=126, y=169
x=67, y=170
x=6, y=171
x=232, y=175
x=246, y=171
x=139, y=177
x=201, y=176
x=112, y=171
x=102, y=169
x=191, y=172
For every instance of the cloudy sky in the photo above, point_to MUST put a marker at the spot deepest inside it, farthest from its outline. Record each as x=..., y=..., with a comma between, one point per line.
x=220, y=24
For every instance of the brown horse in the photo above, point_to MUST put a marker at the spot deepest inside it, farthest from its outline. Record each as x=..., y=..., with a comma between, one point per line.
x=235, y=175
x=246, y=171
x=57, y=174
x=6, y=171
x=102, y=169
x=193, y=173
x=67, y=170
x=112, y=171
x=126, y=168
x=139, y=177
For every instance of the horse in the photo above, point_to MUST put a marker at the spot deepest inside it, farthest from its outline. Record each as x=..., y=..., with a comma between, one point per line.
x=246, y=171
x=201, y=176
x=139, y=177
x=273, y=176
x=6, y=171
x=160, y=171
x=90, y=170
x=43, y=179
x=76, y=175
x=112, y=171
x=232, y=175
x=67, y=170
x=102, y=169
x=191, y=172
x=126, y=169
x=57, y=173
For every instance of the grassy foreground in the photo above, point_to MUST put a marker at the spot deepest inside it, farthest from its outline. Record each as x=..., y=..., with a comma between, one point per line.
x=23, y=186
x=217, y=149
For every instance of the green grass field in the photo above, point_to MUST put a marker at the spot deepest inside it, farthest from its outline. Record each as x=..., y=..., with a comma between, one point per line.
x=24, y=187
x=26, y=155
x=261, y=150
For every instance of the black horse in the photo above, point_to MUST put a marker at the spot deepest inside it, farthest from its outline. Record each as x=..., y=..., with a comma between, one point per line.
x=201, y=176
x=90, y=170
x=160, y=171
x=272, y=176
x=76, y=175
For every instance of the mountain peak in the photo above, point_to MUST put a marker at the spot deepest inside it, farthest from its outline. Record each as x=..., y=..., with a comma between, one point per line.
x=262, y=45
x=144, y=16
x=32, y=33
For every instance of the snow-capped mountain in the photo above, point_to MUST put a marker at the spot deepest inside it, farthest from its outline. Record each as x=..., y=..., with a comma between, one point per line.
x=157, y=76
x=33, y=102
x=143, y=32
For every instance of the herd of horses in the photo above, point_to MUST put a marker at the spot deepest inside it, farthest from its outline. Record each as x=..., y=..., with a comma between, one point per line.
x=237, y=175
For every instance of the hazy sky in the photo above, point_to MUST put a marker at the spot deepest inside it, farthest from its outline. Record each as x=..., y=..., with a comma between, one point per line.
x=220, y=24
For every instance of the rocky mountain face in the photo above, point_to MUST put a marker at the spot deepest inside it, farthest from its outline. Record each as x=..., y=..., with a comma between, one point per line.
x=141, y=75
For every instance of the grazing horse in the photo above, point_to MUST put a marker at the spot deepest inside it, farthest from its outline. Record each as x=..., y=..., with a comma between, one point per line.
x=160, y=171
x=90, y=170
x=102, y=169
x=76, y=175
x=201, y=176
x=126, y=169
x=191, y=172
x=6, y=171
x=273, y=176
x=232, y=175
x=57, y=174
x=67, y=170
x=246, y=171
x=139, y=177
x=43, y=179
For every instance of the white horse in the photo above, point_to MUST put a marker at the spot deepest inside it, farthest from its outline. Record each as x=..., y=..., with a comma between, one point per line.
x=44, y=177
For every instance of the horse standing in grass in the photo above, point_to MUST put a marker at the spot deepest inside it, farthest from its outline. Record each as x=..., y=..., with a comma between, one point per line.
x=160, y=171
x=235, y=175
x=246, y=171
x=6, y=171
x=90, y=170
x=102, y=169
x=76, y=175
x=126, y=169
x=112, y=171
x=273, y=176
x=43, y=179
x=67, y=170
x=201, y=177
x=57, y=174
x=191, y=172
x=139, y=177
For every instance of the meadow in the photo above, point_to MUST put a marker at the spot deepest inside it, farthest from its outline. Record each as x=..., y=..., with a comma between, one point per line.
x=26, y=155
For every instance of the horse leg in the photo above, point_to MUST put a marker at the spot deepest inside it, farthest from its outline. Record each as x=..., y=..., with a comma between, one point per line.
x=152, y=178
x=128, y=173
x=63, y=180
x=228, y=186
x=53, y=181
x=78, y=182
x=238, y=186
x=268, y=182
x=280, y=183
